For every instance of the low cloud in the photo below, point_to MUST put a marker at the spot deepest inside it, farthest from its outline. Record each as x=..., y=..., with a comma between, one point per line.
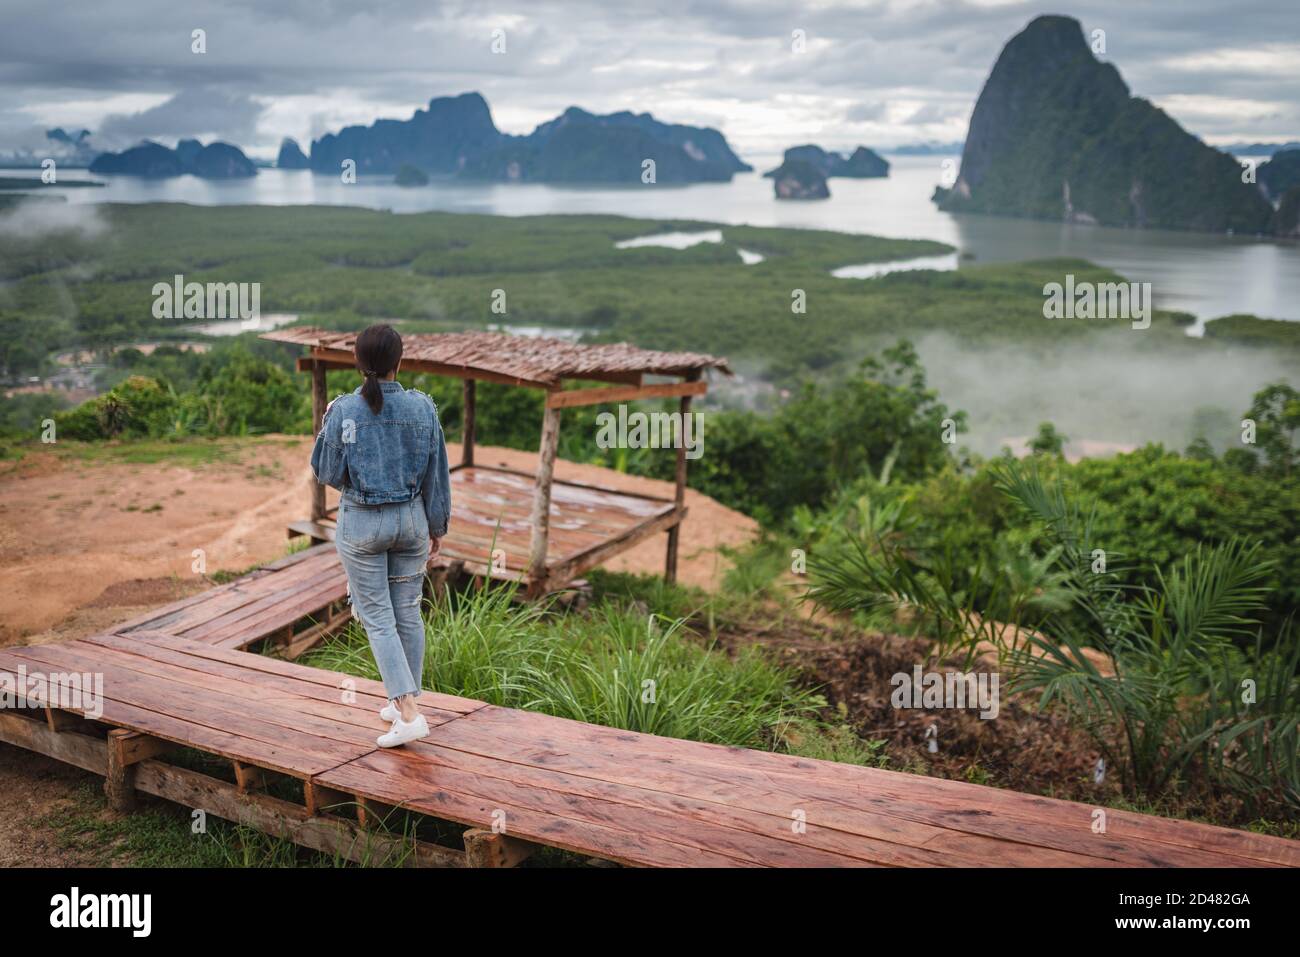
x=199, y=113
x=39, y=219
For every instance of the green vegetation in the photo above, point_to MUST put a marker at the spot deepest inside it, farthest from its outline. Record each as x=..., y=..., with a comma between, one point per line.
x=1190, y=695
x=611, y=666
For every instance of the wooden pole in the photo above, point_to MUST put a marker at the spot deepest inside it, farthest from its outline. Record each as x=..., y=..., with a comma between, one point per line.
x=467, y=431
x=674, y=533
x=542, y=501
x=317, y=417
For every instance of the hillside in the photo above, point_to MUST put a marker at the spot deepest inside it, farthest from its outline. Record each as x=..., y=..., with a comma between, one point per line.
x=232, y=498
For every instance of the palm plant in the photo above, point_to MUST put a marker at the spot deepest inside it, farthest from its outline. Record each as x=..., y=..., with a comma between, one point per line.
x=1167, y=704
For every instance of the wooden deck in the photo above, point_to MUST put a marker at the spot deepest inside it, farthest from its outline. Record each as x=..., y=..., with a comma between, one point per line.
x=491, y=528
x=621, y=796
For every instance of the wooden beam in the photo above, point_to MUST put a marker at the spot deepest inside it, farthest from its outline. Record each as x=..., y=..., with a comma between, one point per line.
x=542, y=494
x=467, y=429
x=318, y=403
x=70, y=747
x=660, y=390
x=674, y=533
x=489, y=849
x=574, y=565
x=329, y=834
x=320, y=799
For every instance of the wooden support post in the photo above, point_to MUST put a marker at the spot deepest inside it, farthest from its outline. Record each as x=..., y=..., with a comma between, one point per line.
x=542, y=501
x=488, y=849
x=674, y=533
x=318, y=404
x=61, y=720
x=119, y=779
x=467, y=429
x=248, y=778
x=319, y=799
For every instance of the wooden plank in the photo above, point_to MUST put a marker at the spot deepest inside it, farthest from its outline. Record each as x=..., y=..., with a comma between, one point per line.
x=765, y=837
x=571, y=398
x=331, y=680
x=137, y=703
x=691, y=793
x=311, y=528
x=1131, y=838
x=616, y=843
x=266, y=615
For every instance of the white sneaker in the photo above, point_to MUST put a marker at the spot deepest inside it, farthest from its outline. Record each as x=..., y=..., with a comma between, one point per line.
x=390, y=712
x=403, y=732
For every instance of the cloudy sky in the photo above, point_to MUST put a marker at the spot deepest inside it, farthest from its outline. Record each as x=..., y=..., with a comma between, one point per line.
x=878, y=73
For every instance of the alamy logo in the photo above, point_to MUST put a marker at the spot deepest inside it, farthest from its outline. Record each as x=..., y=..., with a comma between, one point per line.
x=72, y=691
x=953, y=690
x=651, y=430
x=1091, y=300
x=179, y=299
x=102, y=910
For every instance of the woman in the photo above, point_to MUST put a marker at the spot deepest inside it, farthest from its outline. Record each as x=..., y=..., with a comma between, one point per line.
x=382, y=448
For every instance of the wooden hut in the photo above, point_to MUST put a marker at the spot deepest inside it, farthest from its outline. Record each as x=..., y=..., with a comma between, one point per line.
x=522, y=526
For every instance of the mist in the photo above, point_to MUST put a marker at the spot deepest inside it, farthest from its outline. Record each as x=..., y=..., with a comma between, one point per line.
x=1102, y=399
x=36, y=220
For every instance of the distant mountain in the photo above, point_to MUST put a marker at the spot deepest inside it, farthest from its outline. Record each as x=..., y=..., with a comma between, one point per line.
x=862, y=164
x=1280, y=173
x=291, y=155
x=440, y=139
x=155, y=161
x=456, y=136
x=69, y=150
x=1258, y=149
x=1056, y=135
x=931, y=148
x=799, y=179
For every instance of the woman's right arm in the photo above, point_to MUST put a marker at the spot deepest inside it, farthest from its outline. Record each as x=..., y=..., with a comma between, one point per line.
x=328, y=459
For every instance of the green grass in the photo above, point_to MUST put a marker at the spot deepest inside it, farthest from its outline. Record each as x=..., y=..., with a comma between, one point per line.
x=611, y=666
x=187, y=452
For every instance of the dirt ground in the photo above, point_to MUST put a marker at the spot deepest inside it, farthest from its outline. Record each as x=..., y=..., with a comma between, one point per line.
x=85, y=544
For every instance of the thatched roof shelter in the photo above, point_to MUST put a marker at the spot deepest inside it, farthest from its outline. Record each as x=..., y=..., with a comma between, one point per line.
x=545, y=364
x=520, y=360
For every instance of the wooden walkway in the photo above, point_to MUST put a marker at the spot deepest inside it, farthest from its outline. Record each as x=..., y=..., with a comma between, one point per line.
x=292, y=602
x=631, y=798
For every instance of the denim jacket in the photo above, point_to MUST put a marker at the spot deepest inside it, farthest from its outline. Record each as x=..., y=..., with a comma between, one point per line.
x=390, y=457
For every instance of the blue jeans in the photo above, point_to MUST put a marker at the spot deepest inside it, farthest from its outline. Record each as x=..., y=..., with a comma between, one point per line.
x=385, y=550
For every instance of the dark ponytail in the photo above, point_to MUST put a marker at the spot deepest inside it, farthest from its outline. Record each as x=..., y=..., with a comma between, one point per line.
x=378, y=350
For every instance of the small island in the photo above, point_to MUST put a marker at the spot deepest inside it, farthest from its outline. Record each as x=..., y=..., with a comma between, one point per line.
x=863, y=163
x=408, y=175
x=799, y=179
x=155, y=161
